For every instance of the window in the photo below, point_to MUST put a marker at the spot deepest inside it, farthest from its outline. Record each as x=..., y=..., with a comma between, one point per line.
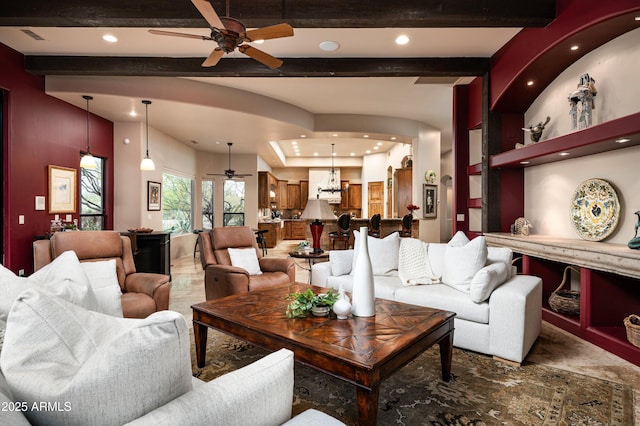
x=177, y=204
x=207, y=204
x=92, y=197
x=233, y=212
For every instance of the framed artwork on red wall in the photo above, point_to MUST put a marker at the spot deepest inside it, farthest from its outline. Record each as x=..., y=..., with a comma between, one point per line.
x=62, y=189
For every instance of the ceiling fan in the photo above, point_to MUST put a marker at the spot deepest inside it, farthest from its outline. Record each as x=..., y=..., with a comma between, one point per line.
x=230, y=34
x=230, y=173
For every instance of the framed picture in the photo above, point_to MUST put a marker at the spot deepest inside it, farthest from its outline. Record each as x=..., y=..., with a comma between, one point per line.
x=62, y=189
x=154, y=195
x=430, y=200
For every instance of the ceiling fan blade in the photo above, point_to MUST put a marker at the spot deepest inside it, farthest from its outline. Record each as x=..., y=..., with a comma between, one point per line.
x=206, y=10
x=213, y=58
x=171, y=33
x=266, y=33
x=260, y=56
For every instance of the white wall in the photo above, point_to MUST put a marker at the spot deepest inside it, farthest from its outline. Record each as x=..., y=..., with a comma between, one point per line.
x=130, y=183
x=426, y=156
x=549, y=188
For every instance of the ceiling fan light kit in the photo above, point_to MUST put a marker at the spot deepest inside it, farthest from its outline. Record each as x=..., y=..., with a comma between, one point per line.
x=229, y=33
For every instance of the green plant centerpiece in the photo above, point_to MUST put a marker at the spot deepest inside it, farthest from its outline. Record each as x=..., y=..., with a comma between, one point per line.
x=305, y=301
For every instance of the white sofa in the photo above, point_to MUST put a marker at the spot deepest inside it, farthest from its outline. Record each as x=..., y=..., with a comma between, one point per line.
x=504, y=325
x=65, y=362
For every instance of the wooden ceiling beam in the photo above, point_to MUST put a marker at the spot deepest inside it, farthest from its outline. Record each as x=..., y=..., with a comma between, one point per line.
x=228, y=67
x=299, y=14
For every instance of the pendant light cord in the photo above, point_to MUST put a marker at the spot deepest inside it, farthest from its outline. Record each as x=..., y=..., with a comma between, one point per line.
x=88, y=98
x=146, y=107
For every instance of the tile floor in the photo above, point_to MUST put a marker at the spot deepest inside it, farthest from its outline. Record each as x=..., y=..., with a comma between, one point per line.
x=554, y=347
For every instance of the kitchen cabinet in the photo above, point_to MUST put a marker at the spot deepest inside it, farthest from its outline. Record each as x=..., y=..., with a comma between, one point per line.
x=267, y=183
x=304, y=193
x=404, y=190
x=293, y=196
x=281, y=195
x=355, y=196
x=294, y=230
x=275, y=233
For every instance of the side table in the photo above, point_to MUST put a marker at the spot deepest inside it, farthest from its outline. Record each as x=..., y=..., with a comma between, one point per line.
x=311, y=258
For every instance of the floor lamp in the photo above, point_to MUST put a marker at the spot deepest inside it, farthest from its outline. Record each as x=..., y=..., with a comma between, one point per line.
x=318, y=210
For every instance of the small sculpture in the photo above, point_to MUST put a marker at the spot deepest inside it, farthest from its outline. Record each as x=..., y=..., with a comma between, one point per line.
x=634, y=243
x=521, y=227
x=585, y=94
x=536, y=131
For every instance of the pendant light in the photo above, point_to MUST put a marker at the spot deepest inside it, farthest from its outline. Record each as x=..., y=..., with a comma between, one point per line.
x=88, y=161
x=147, y=162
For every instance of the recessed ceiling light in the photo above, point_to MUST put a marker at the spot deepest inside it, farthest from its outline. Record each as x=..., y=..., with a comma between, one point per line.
x=393, y=138
x=376, y=147
x=368, y=151
x=379, y=144
x=303, y=136
x=365, y=136
x=315, y=154
x=623, y=140
x=530, y=83
x=334, y=135
x=575, y=47
x=402, y=39
x=294, y=142
x=333, y=153
x=133, y=114
x=524, y=162
x=352, y=154
x=563, y=154
x=110, y=38
x=637, y=18
x=329, y=45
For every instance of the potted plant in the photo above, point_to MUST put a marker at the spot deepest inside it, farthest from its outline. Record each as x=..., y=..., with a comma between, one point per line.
x=308, y=301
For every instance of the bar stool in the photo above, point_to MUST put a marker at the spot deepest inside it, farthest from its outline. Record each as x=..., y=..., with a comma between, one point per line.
x=195, y=247
x=342, y=234
x=407, y=222
x=374, y=225
x=261, y=240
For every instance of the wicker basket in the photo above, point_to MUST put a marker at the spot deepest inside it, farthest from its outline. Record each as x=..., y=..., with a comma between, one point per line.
x=632, y=324
x=566, y=302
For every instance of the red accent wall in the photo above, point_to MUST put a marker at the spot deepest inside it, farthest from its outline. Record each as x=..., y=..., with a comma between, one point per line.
x=41, y=130
x=475, y=104
x=460, y=158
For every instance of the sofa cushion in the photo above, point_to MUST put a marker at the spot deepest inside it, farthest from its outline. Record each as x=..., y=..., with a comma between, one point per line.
x=462, y=263
x=102, y=370
x=64, y=277
x=383, y=253
x=245, y=258
x=414, y=267
x=11, y=413
x=104, y=282
x=341, y=261
x=501, y=255
x=488, y=279
x=441, y=296
x=385, y=285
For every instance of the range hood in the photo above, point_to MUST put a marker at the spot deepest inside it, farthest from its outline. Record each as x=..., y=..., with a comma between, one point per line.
x=320, y=179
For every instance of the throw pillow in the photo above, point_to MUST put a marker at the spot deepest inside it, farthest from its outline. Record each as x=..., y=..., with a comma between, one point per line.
x=104, y=281
x=458, y=240
x=63, y=277
x=503, y=255
x=340, y=261
x=488, y=279
x=245, y=258
x=414, y=267
x=462, y=263
x=383, y=252
x=99, y=369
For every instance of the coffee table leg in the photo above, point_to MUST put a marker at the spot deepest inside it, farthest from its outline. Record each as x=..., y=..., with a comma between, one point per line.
x=367, y=405
x=446, y=354
x=200, y=338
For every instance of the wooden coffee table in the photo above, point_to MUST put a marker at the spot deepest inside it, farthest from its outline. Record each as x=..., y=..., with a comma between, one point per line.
x=362, y=351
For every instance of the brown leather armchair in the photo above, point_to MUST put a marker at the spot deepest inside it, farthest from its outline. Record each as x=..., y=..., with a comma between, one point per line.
x=222, y=279
x=142, y=293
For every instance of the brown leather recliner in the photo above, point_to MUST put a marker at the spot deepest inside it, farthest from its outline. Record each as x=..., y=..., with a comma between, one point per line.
x=142, y=293
x=222, y=279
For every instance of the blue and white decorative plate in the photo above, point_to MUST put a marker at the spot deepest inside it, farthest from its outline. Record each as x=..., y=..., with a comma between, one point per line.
x=595, y=209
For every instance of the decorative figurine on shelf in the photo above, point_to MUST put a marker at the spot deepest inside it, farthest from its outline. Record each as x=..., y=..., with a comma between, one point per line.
x=585, y=94
x=634, y=243
x=536, y=131
x=521, y=227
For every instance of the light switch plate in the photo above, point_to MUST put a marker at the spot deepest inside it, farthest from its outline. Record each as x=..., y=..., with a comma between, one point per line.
x=67, y=218
x=460, y=217
x=20, y=219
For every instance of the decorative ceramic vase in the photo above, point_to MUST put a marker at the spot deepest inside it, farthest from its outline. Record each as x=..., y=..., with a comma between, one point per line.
x=363, y=298
x=342, y=307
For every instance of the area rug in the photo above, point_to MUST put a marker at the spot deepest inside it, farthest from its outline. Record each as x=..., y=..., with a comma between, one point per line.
x=482, y=391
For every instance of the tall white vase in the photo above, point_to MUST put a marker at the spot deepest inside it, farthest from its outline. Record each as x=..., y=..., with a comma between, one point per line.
x=363, y=299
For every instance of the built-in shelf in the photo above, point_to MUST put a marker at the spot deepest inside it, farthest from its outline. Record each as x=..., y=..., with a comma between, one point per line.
x=474, y=169
x=609, y=285
x=592, y=140
x=474, y=203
